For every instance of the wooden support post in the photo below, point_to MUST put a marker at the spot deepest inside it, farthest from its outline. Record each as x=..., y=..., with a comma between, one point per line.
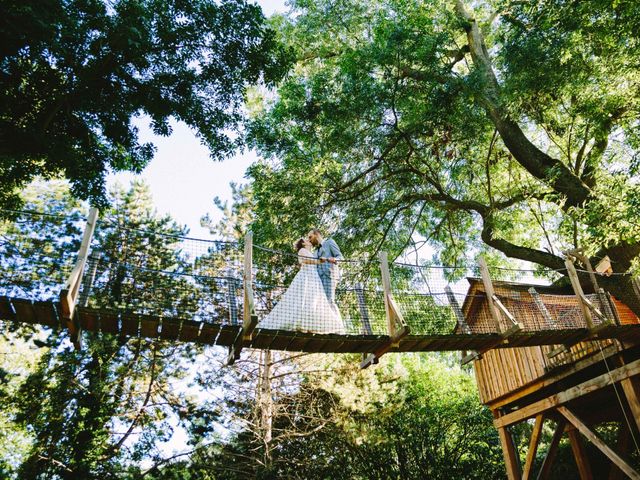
x=394, y=317
x=70, y=290
x=488, y=288
x=386, y=286
x=533, y=447
x=87, y=284
x=577, y=289
x=250, y=320
x=580, y=455
x=631, y=387
x=364, y=311
x=511, y=460
x=597, y=441
x=462, y=322
x=547, y=463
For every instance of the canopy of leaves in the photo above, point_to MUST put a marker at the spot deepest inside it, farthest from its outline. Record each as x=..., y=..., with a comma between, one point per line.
x=512, y=126
x=75, y=73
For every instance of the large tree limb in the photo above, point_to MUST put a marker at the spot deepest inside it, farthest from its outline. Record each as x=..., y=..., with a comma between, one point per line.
x=518, y=251
x=542, y=166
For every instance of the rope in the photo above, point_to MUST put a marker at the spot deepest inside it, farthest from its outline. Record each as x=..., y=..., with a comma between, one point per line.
x=615, y=388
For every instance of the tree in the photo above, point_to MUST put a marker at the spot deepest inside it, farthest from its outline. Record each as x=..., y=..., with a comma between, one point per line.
x=406, y=419
x=98, y=412
x=75, y=73
x=510, y=127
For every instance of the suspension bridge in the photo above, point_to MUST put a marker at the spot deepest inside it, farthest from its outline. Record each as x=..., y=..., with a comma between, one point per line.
x=130, y=282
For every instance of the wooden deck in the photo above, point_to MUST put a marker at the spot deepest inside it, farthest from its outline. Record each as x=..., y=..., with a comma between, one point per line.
x=177, y=329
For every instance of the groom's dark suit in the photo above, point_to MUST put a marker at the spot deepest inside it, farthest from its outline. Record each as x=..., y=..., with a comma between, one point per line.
x=328, y=271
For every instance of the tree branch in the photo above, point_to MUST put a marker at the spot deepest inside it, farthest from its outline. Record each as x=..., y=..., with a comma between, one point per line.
x=543, y=167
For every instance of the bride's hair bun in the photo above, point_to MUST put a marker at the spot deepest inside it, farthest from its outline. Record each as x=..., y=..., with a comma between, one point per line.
x=298, y=244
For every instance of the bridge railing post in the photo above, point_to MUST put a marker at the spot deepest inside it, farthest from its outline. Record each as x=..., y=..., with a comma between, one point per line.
x=386, y=287
x=249, y=304
x=249, y=318
x=491, y=294
x=71, y=288
x=577, y=289
x=396, y=325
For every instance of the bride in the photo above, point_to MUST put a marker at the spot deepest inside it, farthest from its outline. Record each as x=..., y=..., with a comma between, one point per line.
x=304, y=306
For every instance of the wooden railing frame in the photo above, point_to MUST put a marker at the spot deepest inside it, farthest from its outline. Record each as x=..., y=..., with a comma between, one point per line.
x=71, y=288
x=397, y=327
x=589, y=310
x=249, y=317
x=496, y=310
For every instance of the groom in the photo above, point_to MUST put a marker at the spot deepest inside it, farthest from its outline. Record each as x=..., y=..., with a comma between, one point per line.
x=328, y=253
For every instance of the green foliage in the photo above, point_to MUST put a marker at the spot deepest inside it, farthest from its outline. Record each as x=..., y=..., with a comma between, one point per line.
x=414, y=418
x=75, y=73
x=391, y=129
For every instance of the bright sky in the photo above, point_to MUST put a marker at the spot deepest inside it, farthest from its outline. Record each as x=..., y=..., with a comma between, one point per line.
x=182, y=177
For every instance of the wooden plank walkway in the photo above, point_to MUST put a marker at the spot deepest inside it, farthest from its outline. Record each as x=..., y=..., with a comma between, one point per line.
x=128, y=324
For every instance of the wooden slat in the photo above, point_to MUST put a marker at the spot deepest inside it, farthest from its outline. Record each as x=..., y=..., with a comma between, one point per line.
x=190, y=331
x=6, y=310
x=130, y=324
x=149, y=326
x=89, y=319
x=24, y=310
x=209, y=333
x=227, y=335
x=109, y=322
x=170, y=328
x=298, y=342
x=46, y=314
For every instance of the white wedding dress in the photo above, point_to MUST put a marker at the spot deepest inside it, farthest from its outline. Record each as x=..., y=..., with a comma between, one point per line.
x=304, y=307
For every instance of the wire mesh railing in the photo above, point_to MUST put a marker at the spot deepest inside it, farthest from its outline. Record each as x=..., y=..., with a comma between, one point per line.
x=37, y=253
x=151, y=268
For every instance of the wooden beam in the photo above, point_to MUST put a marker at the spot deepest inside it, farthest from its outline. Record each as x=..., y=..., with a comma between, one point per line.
x=457, y=311
x=580, y=455
x=249, y=319
x=488, y=288
x=511, y=460
x=533, y=446
x=631, y=387
x=374, y=357
x=561, y=398
x=69, y=292
x=386, y=287
x=577, y=289
x=364, y=311
x=597, y=441
x=547, y=463
x=506, y=312
x=249, y=307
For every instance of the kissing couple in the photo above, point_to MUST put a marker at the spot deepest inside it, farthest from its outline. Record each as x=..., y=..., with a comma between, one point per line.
x=309, y=304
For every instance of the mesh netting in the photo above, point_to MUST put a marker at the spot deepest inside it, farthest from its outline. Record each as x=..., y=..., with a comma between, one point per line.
x=37, y=253
x=151, y=273
x=148, y=272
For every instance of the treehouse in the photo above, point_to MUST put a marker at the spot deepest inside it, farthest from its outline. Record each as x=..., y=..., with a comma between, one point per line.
x=576, y=384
